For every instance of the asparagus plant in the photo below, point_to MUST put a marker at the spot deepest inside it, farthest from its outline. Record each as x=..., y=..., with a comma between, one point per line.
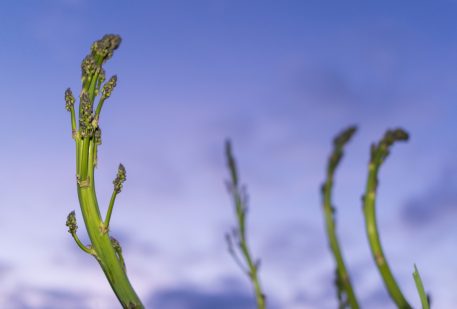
x=420, y=289
x=238, y=238
x=345, y=292
x=379, y=153
x=87, y=135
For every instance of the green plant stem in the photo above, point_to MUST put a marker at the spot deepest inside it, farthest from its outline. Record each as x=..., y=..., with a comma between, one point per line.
x=101, y=244
x=110, y=209
x=251, y=269
x=99, y=107
x=73, y=122
x=379, y=153
x=420, y=289
x=343, y=278
x=81, y=245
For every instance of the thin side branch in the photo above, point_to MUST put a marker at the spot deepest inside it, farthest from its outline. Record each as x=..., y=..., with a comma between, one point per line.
x=72, y=228
x=118, y=183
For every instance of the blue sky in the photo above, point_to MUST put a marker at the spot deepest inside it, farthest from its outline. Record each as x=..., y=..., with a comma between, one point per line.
x=280, y=78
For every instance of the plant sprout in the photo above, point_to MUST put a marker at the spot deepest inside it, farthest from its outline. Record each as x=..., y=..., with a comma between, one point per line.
x=238, y=238
x=87, y=135
x=345, y=292
x=379, y=153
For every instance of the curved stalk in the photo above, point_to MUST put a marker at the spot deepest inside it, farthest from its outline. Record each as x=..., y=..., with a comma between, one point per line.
x=379, y=153
x=343, y=281
x=249, y=267
x=104, y=248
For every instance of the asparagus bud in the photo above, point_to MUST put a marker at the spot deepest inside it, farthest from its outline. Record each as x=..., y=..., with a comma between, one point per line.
x=108, y=87
x=120, y=178
x=69, y=100
x=71, y=223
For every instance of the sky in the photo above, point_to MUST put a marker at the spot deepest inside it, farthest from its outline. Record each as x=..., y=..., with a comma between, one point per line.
x=280, y=79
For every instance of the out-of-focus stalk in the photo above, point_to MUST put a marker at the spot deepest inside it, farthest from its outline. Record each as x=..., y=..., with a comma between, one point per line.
x=420, y=289
x=238, y=238
x=346, y=295
x=379, y=153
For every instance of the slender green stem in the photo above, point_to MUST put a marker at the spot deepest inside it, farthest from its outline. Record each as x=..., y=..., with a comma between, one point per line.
x=107, y=252
x=84, y=162
x=93, y=84
x=106, y=93
x=420, y=289
x=73, y=123
x=239, y=196
x=81, y=245
x=379, y=153
x=91, y=174
x=72, y=228
x=118, y=182
x=343, y=280
x=110, y=210
x=99, y=107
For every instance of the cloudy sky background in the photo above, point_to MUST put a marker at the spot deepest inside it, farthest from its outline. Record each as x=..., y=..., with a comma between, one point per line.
x=280, y=78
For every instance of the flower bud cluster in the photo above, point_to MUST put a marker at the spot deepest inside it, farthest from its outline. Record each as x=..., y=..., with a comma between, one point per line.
x=69, y=99
x=86, y=117
x=108, y=87
x=382, y=150
x=93, y=77
x=71, y=223
x=120, y=178
x=105, y=47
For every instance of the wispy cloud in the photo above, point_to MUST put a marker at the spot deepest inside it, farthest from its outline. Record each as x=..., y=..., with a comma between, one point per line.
x=194, y=297
x=435, y=206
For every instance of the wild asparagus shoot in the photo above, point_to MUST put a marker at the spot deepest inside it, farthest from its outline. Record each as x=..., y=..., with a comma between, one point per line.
x=379, y=153
x=87, y=135
x=237, y=240
x=345, y=292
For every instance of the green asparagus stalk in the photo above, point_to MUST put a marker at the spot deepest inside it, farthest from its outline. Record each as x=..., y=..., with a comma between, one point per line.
x=346, y=295
x=420, y=289
x=238, y=238
x=379, y=153
x=87, y=135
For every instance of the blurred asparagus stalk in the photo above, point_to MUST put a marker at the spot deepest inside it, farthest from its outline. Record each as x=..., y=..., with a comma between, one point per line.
x=346, y=295
x=420, y=289
x=106, y=250
x=238, y=238
x=379, y=153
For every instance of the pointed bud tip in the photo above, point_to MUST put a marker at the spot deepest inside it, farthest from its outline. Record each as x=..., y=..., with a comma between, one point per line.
x=105, y=47
x=345, y=136
x=71, y=222
x=69, y=99
x=121, y=177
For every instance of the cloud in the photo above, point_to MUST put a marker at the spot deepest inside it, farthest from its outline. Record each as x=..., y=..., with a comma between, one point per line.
x=377, y=298
x=290, y=242
x=193, y=297
x=48, y=298
x=435, y=205
x=5, y=268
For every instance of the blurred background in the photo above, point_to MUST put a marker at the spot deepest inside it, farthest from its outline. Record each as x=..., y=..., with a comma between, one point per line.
x=280, y=78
